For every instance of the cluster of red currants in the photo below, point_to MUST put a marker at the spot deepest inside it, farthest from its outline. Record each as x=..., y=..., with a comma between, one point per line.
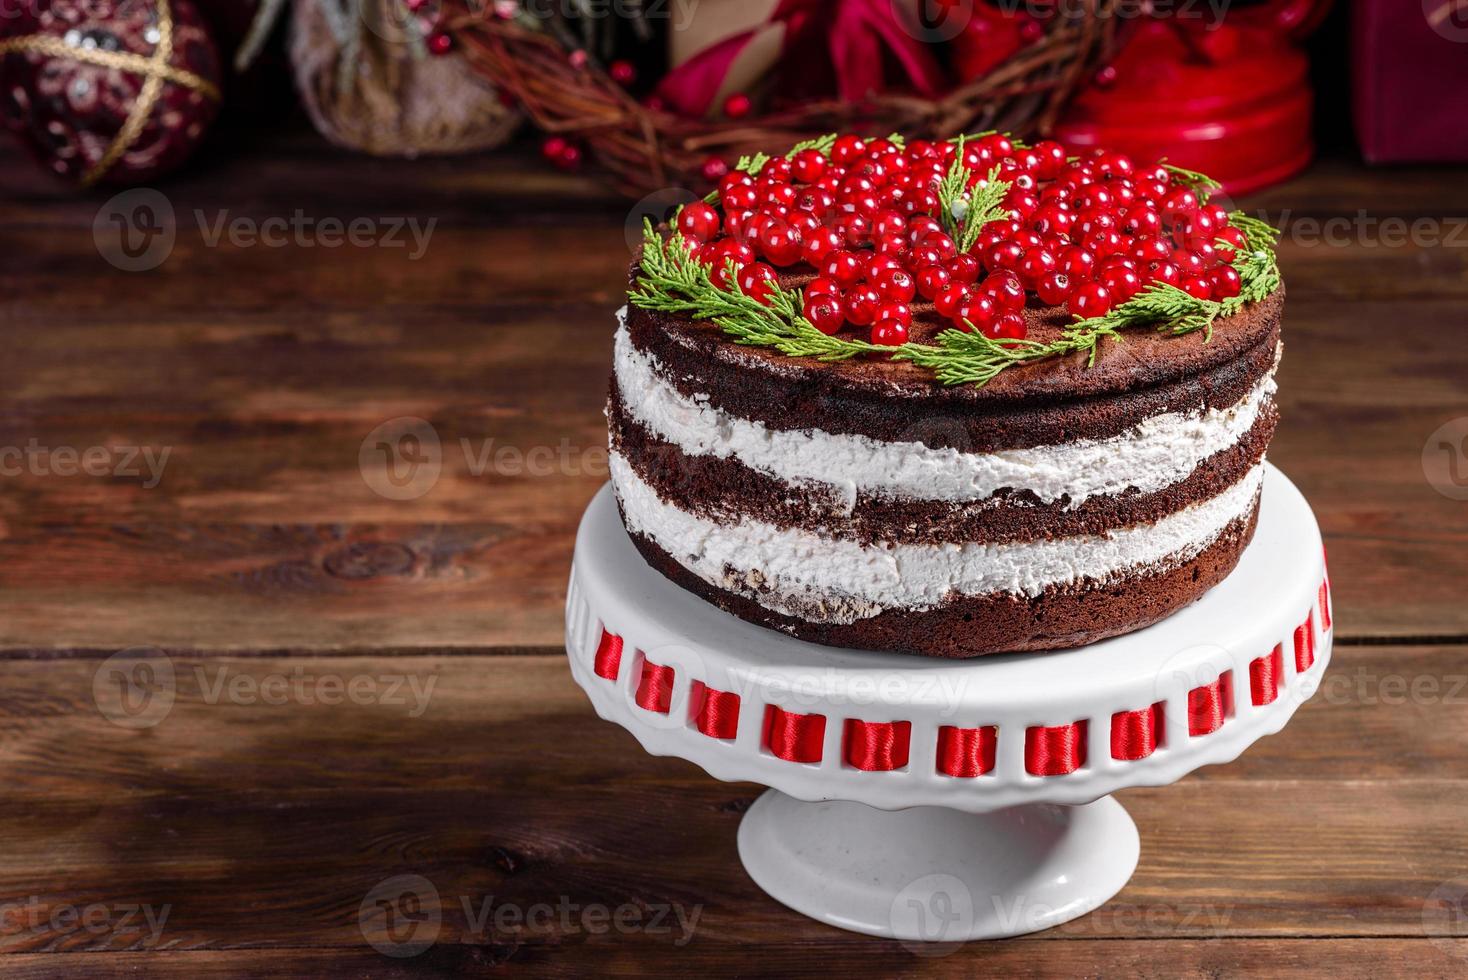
x=1087, y=234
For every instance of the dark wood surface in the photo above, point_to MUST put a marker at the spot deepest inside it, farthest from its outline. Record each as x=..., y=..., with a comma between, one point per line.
x=262, y=559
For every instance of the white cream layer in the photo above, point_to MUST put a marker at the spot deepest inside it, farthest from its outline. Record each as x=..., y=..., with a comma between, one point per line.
x=821, y=579
x=1154, y=454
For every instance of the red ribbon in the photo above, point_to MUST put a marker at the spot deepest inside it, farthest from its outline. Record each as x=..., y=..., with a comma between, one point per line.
x=1055, y=751
x=655, y=687
x=793, y=737
x=1265, y=674
x=1134, y=733
x=718, y=714
x=1305, y=644
x=1206, y=707
x=831, y=47
x=966, y=752
x=608, y=656
x=877, y=746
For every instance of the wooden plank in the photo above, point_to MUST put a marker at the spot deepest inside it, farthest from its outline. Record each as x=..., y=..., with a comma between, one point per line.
x=492, y=777
x=1302, y=958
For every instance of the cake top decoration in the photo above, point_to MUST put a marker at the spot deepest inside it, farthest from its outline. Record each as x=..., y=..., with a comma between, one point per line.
x=830, y=251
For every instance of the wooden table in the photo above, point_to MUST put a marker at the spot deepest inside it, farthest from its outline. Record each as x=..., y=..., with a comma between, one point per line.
x=267, y=574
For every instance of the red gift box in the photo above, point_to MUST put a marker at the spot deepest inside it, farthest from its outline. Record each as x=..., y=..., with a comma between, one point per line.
x=1411, y=73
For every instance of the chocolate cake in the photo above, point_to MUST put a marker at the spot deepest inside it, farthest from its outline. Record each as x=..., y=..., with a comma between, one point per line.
x=872, y=495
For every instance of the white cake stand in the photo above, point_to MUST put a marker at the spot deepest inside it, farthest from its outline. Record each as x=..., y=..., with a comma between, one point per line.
x=911, y=851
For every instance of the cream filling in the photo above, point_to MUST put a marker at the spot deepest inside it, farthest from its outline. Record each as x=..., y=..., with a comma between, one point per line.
x=1154, y=454
x=821, y=579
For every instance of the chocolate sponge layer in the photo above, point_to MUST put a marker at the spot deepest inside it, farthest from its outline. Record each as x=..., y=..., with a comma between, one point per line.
x=724, y=489
x=1059, y=618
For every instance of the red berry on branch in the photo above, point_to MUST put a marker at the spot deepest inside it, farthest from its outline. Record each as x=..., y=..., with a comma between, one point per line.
x=821, y=286
x=622, y=72
x=714, y=168
x=1076, y=262
x=1166, y=272
x=1199, y=285
x=552, y=146
x=569, y=158
x=1035, y=265
x=737, y=106
x=1122, y=283
x=440, y=44
x=578, y=59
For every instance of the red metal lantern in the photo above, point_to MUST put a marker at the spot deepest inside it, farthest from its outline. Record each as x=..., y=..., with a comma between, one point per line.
x=1228, y=96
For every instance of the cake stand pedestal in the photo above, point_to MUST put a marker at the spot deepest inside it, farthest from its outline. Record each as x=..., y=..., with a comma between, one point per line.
x=940, y=800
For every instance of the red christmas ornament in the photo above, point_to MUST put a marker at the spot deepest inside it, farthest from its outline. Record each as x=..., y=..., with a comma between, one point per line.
x=108, y=91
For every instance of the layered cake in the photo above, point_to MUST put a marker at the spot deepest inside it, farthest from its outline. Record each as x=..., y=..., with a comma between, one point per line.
x=947, y=398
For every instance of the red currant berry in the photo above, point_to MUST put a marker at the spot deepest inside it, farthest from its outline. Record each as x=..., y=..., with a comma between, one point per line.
x=1141, y=220
x=1122, y=283
x=1009, y=326
x=895, y=285
x=1003, y=255
x=622, y=72
x=1076, y=262
x=1089, y=299
x=891, y=244
x=979, y=312
x=1166, y=272
x=1200, y=285
x=821, y=286
x=889, y=222
x=714, y=168
x=808, y=165
x=757, y=281
x=847, y=148
x=740, y=197
x=921, y=227
x=737, y=106
x=1226, y=282
x=1052, y=218
x=844, y=267
x=933, y=280
x=950, y=298
x=1006, y=288
x=1035, y=265
x=890, y=310
x=878, y=264
x=1178, y=203
x=820, y=243
x=1053, y=289
x=856, y=229
x=963, y=269
x=862, y=304
x=1050, y=159
x=698, y=221
x=825, y=314
x=780, y=243
x=889, y=333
